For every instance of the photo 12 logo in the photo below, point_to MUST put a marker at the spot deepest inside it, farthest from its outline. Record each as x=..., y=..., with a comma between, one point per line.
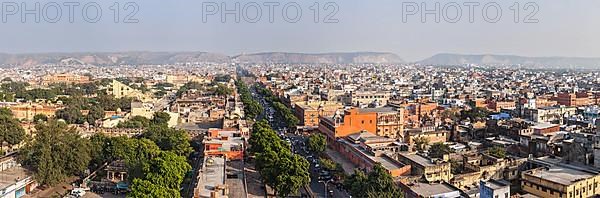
x=55, y=12
x=453, y=12
x=253, y=12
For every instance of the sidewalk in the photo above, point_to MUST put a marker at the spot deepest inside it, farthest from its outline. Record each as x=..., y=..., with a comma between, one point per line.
x=337, y=157
x=254, y=183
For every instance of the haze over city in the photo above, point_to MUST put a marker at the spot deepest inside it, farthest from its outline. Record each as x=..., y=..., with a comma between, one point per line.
x=565, y=28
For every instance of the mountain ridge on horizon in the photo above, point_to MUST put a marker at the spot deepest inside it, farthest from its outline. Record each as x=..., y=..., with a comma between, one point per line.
x=364, y=57
x=550, y=62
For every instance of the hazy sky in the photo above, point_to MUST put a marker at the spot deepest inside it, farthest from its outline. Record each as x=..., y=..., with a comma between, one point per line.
x=565, y=28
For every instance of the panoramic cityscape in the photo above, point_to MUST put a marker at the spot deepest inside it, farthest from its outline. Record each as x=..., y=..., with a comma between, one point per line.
x=321, y=99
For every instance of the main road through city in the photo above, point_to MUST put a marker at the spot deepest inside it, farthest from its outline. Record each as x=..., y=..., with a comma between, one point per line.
x=298, y=145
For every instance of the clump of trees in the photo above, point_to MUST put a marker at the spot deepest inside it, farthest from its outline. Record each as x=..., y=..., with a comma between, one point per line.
x=438, y=150
x=376, y=183
x=496, y=151
x=282, y=110
x=475, y=114
x=286, y=113
x=161, y=89
x=251, y=107
x=332, y=166
x=421, y=143
x=56, y=153
x=156, y=160
x=10, y=91
x=188, y=86
x=11, y=131
x=159, y=118
x=279, y=168
x=169, y=139
x=96, y=107
x=135, y=122
x=317, y=143
x=222, y=90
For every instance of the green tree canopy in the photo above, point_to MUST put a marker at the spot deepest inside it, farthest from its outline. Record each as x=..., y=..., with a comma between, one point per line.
x=55, y=153
x=377, y=183
x=5, y=112
x=438, y=150
x=497, y=151
x=223, y=90
x=420, y=143
x=317, y=143
x=161, y=118
x=328, y=164
x=251, y=107
x=71, y=115
x=169, y=139
x=146, y=189
x=168, y=169
x=11, y=131
x=135, y=122
x=40, y=117
x=284, y=171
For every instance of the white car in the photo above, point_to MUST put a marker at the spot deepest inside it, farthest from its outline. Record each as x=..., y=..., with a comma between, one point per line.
x=78, y=192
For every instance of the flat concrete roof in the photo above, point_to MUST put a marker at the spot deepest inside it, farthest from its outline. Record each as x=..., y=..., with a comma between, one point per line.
x=211, y=176
x=428, y=190
x=387, y=163
x=543, y=125
x=493, y=184
x=13, y=175
x=561, y=175
x=419, y=159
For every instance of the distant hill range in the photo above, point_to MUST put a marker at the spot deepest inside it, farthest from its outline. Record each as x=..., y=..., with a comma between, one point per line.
x=324, y=58
x=110, y=58
x=508, y=60
x=134, y=58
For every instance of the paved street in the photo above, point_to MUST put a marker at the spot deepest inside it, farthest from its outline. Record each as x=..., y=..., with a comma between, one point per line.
x=299, y=147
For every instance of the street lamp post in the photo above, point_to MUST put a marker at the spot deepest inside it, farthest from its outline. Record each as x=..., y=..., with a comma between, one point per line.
x=326, y=191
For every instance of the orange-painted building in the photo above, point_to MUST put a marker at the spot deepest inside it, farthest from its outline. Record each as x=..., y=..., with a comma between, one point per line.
x=350, y=122
x=384, y=121
x=219, y=142
x=478, y=103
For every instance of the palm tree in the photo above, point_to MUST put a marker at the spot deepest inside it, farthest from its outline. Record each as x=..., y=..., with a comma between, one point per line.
x=420, y=143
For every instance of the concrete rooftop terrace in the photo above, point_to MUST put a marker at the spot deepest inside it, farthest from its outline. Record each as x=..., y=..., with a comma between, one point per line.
x=562, y=175
x=434, y=189
x=13, y=175
x=211, y=176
